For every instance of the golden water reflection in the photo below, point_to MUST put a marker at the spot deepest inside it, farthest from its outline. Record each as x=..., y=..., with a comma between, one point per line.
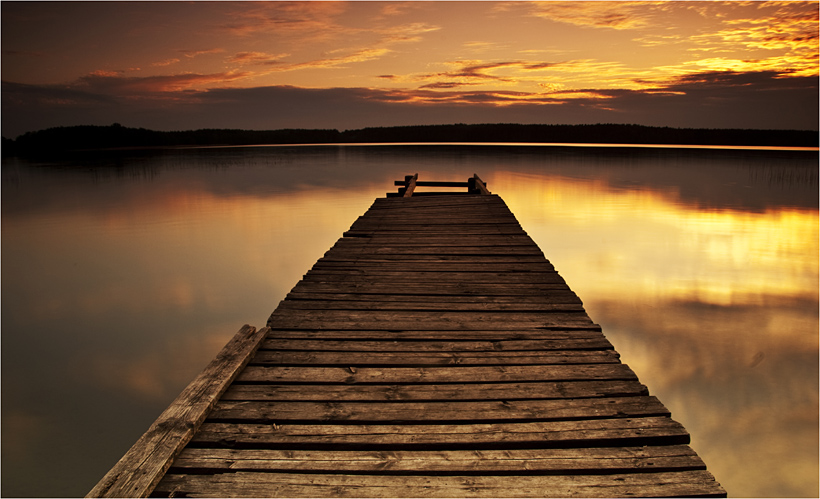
x=663, y=248
x=715, y=310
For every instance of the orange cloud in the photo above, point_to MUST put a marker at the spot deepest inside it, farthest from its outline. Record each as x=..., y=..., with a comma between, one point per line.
x=195, y=53
x=430, y=95
x=166, y=62
x=477, y=72
x=358, y=56
x=397, y=8
x=581, y=73
x=105, y=73
x=472, y=71
x=613, y=15
x=112, y=84
x=791, y=38
x=406, y=32
x=317, y=18
x=256, y=58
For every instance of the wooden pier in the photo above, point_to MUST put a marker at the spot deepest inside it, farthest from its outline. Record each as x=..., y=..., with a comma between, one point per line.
x=432, y=352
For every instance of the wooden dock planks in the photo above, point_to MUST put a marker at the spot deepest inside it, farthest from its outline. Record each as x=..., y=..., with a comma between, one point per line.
x=434, y=352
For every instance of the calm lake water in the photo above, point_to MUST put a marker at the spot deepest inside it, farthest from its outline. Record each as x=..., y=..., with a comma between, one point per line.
x=124, y=274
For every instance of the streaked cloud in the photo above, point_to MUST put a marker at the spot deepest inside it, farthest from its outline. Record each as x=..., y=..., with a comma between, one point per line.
x=113, y=84
x=361, y=55
x=406, y=33
x=256, y=58
x=786, y=39
x=166, y=62
x=527, y=74
x=390, y=9
x=104, y=73
x=316, y=18
x=196, y=53
x=612, y=15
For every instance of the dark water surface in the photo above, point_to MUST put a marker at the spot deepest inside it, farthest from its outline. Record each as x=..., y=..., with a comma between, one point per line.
x=124, y=274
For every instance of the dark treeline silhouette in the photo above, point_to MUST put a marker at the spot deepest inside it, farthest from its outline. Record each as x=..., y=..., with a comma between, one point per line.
x=600, y=133
x=62, y=139
x=74, y=138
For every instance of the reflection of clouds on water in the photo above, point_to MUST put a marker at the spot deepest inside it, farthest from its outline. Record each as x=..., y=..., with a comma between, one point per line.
x=754, y=425
x=154, y=372
x=657, y=242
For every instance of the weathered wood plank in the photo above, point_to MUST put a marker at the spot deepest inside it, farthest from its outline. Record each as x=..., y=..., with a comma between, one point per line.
x=448, y=263
x=423, y=183
x=443, y=316
x=598, y=342
x=420, y=256
x=443, y=228
x=560, y=321
x=423, y=254
x=440, y=224
x=409, y=185
x=483, y=391
x=377, y=267
x=478, y=186
x=437, y=240
x=141, y=468
x=487, y=461
x=433, y=334
x=432, y=411
x=552, y=296
x=414, y=306
x=368, y=247
x=435, y=374
x=456, y=202
x=492, y=230
x=696, y=483
x=468, y=278
x=430, y=288
x=441, y=244
x=335, y=319
x=622, y=431
x=553, y=357
x=431, y=217
x=443, y=200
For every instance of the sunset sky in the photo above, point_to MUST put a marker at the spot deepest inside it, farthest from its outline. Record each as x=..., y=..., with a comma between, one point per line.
x=345, y=65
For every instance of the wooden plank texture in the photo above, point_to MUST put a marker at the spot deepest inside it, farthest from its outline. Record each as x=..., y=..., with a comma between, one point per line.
x=485, y=461
x=583, y=434
x=696, y=483
x=543, y=390
x=433, y=351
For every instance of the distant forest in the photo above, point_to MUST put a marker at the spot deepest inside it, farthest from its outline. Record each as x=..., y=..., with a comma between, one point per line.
x=63, y=139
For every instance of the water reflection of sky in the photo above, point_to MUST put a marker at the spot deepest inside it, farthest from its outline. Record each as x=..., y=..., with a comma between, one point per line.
x=120, y=283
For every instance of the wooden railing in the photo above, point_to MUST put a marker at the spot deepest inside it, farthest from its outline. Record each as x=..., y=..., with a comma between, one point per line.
x=407, y=187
